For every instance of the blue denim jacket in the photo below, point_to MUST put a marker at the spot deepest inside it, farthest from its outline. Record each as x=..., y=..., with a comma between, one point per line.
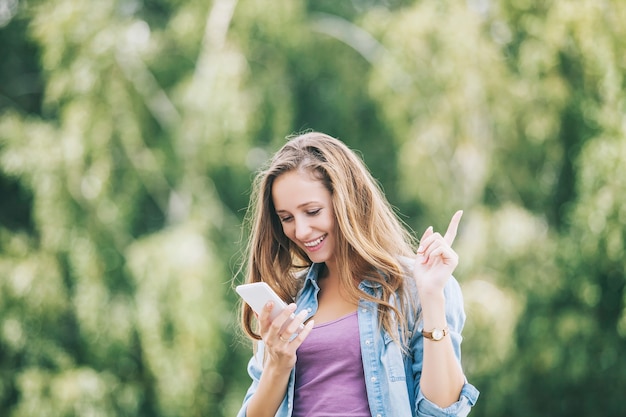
x=390, y=393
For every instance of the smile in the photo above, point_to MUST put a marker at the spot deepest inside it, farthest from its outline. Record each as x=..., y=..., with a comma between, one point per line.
x=315, y=242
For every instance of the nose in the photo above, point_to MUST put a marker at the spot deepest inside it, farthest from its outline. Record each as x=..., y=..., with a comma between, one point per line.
x=303, y=229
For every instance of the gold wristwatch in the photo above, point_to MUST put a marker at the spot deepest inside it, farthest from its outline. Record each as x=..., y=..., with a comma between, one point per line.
x=436, y=334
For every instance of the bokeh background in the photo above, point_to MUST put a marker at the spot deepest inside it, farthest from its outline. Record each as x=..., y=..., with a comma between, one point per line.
x=130, y=131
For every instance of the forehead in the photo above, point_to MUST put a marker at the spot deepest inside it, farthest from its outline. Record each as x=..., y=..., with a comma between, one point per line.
x=296, y=188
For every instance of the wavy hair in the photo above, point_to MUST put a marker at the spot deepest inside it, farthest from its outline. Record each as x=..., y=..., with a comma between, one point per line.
x=371, y=239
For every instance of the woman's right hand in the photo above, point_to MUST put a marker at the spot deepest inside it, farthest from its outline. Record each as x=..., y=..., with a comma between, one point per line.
x=278, y=335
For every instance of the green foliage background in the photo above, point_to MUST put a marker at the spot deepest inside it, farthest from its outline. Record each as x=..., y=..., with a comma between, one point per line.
x=130, y=131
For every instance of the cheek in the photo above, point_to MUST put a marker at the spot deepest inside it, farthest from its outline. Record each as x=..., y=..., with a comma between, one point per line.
x=330, y=223
x=289, y=230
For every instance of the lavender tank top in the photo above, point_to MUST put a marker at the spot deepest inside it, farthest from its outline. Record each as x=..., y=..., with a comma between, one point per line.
x=329, y=372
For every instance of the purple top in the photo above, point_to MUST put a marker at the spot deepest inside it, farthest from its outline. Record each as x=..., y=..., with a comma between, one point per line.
x=329, y=372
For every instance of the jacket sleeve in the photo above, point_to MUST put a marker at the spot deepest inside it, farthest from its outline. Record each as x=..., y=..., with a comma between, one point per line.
x=255, y=369
x=455, y=317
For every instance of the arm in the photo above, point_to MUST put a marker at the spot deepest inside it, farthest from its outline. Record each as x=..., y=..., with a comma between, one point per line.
x=442, y=378
x=279, y=359
x=455, y=319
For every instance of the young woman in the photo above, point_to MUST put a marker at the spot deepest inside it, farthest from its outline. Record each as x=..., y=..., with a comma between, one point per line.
x=382, y=323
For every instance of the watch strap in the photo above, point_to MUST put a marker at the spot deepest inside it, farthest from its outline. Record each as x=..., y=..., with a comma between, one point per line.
x=434, y=333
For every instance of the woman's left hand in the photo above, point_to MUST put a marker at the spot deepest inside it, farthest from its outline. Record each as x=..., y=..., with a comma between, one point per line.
x=436, y=260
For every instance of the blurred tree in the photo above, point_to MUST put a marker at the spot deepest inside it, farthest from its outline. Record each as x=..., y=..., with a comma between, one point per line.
x=570, y=339
x=115, y=291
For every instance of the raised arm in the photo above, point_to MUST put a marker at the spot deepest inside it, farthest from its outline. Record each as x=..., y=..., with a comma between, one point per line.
x=442, y=377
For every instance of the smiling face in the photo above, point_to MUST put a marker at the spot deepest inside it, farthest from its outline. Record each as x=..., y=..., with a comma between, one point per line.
x=304, y=206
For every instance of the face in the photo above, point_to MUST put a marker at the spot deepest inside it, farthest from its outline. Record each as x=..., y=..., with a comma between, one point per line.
x=304, y=207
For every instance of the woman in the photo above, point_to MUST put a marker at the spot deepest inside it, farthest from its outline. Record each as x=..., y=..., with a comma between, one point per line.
x=382, y=324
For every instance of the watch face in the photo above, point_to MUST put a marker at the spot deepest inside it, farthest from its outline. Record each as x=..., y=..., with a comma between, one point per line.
x=437, y=334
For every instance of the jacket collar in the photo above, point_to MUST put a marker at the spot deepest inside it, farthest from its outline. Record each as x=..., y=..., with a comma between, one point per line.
x=313, y=274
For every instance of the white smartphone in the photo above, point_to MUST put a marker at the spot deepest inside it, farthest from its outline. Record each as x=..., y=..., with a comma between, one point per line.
x=258, y=294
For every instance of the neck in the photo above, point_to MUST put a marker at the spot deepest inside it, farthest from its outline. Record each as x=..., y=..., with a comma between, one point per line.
x=329, y=275
x=333, y=300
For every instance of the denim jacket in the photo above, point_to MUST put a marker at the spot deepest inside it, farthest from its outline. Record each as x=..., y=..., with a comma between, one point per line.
x=390, y=393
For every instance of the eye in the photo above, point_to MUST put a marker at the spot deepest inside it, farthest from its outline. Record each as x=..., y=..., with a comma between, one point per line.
x=314, y=212
x=285, y=219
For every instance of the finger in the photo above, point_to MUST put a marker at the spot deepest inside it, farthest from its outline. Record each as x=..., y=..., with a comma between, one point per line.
x=297, y=341
x=427, y=233
x=433, y=247
x=453, y=227
x=443, y=254
x=280, y=320
x=429, y=245
x=293, y=325
x=429, y=242
x=265, y=313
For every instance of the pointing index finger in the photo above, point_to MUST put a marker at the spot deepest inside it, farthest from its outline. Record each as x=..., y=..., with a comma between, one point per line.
x=453, y=227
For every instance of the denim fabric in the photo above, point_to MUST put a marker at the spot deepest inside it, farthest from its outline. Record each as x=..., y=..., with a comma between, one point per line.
x=389, y=392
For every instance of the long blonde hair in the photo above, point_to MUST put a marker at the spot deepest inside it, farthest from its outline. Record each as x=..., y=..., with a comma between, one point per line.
x=370, y=238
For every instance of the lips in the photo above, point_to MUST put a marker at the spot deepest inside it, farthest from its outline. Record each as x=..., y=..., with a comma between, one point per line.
x=315, y=242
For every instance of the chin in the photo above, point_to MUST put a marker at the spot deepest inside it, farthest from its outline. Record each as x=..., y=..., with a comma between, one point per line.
x=319, y=257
